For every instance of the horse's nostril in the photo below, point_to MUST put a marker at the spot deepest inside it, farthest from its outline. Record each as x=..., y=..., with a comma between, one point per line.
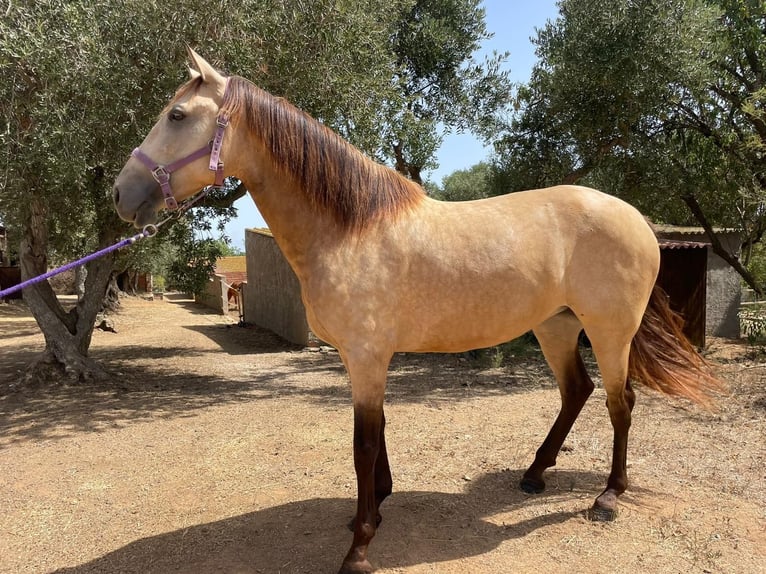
x=116, y=194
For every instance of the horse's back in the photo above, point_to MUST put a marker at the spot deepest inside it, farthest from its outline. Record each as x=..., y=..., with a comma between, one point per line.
x=552, y=232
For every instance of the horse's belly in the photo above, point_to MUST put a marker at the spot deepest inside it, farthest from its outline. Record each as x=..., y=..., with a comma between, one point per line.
x=453, y=329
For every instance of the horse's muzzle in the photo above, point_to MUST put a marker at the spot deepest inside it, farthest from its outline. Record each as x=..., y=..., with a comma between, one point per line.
x=136, y=202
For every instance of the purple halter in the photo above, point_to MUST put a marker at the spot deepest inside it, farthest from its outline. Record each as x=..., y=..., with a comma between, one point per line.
x=161, y=173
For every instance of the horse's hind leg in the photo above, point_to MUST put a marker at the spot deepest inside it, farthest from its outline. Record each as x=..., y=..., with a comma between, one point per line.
x=558, y=338
x=612, y=359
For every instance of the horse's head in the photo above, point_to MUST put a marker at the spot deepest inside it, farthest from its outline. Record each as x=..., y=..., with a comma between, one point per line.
x=183, y=143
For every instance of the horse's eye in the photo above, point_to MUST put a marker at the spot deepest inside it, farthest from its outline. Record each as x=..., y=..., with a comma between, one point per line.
x=176, y=115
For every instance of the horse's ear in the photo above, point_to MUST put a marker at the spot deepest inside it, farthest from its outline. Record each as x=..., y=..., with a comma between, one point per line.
x=198, y=67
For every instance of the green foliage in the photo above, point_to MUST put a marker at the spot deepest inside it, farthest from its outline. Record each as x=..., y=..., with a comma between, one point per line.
x=441, y=87
x=228, y=250
x=507, y=353
x=752, y=321
x=194, y=262
x=658, y=102
x=465, y=184
x=755, y=259
x=607, y=71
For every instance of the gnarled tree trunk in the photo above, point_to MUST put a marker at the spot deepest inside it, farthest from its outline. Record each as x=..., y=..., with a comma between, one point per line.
x=67, y=332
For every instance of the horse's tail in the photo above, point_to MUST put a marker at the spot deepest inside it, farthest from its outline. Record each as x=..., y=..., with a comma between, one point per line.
x=663, y=359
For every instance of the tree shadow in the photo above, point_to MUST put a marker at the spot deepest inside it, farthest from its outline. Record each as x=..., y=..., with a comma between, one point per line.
x=144, y=388
x=310, y=536
x=141, y=392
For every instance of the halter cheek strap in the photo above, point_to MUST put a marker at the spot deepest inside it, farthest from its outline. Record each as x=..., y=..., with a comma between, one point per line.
x=216, y=164
x=161, y=173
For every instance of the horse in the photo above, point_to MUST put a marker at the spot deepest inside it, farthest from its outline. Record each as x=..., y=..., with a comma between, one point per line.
x=384, y=268
x=233, y=292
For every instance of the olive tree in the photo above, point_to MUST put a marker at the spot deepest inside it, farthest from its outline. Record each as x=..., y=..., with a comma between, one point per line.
x=660, y=102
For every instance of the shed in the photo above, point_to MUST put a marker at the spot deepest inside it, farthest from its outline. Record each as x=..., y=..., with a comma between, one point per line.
x=228, y=271
x=683, y=276
x=232, y=268
x=722, y=290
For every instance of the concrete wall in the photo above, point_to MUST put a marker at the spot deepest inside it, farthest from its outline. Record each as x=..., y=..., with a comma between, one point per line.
x=273, y=293
x=724, y=289
x=215, y=295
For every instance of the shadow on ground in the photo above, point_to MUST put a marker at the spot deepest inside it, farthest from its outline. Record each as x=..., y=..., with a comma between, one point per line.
x=150, y=382
x=140, y=393
x=310, y=536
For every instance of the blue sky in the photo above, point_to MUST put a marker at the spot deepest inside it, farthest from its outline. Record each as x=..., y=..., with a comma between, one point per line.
x=513, y=23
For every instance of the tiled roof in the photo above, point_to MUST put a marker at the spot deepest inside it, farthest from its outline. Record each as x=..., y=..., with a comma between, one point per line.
x=669, y=244
x=237, y=263
x=233, y=277
x=681, y=230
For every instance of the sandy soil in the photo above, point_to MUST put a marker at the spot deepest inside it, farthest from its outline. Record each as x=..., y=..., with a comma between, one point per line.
x=221, y=449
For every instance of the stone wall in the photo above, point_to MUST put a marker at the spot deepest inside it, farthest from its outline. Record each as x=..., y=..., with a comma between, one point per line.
x=215, y=295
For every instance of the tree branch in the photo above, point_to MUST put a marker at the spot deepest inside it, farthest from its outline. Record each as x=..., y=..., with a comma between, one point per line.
x=691, y=201
x=225, y=200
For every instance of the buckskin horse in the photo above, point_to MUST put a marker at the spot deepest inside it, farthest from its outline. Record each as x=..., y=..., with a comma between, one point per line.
x=384, y=268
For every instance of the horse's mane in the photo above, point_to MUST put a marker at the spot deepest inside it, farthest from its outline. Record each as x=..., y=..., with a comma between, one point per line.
x=335, y=176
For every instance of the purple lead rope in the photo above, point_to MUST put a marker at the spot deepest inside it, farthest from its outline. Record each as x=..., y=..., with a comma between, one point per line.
x=127, y=241
x=148, y=231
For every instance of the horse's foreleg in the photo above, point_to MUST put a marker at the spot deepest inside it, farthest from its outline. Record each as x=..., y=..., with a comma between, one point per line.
x=368, y=426
x=373, y=474
x=383, y=480
x=558, y=338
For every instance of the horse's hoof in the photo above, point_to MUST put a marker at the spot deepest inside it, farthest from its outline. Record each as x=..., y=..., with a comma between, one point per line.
x=532, y=485
x=598, y=513
x=363, y=567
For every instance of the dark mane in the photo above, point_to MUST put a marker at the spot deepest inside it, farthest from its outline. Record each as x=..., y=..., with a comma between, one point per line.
x=335, y=176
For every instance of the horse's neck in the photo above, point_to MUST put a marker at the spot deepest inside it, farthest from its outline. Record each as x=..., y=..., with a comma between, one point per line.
x=297, y=227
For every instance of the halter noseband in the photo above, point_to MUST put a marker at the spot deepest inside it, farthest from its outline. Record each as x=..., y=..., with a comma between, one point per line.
x=161, y=173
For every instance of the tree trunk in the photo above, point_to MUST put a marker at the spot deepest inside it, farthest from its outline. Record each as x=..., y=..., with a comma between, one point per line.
x=67, y=332
x=80, y=274
x=716, y=245
x=111, y=299
x=405, y=168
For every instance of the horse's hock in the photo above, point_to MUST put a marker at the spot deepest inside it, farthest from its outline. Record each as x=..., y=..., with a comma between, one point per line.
x=273, y=293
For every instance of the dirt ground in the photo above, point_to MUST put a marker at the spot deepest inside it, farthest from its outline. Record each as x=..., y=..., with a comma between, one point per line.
x=221, y=449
